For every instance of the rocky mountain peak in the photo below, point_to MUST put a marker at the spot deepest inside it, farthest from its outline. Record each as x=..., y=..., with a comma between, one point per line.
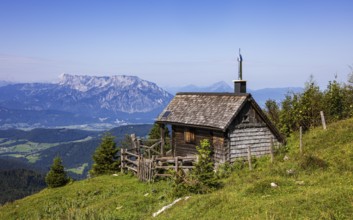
x=84, y=83
x=120, y=97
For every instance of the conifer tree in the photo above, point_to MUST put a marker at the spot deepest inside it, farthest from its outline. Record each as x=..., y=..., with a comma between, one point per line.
x=56, y=176
x=155, y=132
x=105, y=158
x=204, y=168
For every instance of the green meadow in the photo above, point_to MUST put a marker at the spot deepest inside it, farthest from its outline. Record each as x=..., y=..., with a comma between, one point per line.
x=317, y=184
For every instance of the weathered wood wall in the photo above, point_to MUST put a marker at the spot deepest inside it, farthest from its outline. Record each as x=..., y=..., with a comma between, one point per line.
x=180, y=147
x=248, y=129
x=183, y=149
x=219, y=152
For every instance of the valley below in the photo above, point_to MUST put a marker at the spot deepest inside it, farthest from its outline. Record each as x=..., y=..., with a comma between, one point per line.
x=32, y=152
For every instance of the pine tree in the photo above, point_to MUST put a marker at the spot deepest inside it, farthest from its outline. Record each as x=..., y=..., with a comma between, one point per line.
x=204, y=168
x=56, y=176
x=155, y=132
x=105, y=158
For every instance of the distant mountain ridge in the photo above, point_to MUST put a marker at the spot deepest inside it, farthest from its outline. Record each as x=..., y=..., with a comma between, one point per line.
x=277, y=94
x=4, y=83
x=99, y=102
x=260, y=95
x=220, y=86
x=121, y=99
x=127, y=94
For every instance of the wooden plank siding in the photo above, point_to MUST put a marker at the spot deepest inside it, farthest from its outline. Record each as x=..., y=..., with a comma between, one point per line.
x=183, y=149
x=249, y=130
x=219, y=152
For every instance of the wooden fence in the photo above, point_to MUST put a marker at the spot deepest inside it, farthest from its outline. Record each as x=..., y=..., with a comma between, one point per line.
x=147, y=162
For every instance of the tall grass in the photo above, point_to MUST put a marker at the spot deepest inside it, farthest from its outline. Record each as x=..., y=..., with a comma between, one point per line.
x=104, y=197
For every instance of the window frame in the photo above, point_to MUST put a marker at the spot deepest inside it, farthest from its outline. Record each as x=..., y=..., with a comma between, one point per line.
x=189, y=136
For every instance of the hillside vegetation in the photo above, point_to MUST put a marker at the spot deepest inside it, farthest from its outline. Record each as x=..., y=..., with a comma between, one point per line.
x=34, y=151
x=36, y=148
x=315, y=185
x=18, y=183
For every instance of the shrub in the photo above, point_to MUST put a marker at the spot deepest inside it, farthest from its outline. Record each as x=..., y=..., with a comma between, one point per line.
x=224, y=170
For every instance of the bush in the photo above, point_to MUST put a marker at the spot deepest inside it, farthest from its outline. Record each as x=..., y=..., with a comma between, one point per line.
x=224, y=170
x=182, y=183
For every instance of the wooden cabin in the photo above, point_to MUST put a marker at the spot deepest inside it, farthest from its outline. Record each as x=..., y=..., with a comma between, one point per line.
x=231, y=121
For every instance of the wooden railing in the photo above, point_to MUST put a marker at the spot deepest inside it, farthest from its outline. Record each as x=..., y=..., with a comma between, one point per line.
x=173, y=163
x=147, y=162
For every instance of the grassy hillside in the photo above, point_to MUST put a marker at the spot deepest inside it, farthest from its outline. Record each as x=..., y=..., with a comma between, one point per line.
x=105, y=197
x=315, y=185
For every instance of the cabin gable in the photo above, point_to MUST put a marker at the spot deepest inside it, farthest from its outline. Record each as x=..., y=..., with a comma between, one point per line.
x=249, y=129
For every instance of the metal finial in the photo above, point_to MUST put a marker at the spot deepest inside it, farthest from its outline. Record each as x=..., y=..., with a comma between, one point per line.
x=240, y=72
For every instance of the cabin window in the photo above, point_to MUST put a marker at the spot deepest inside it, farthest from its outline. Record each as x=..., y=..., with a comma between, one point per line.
x=189, y=136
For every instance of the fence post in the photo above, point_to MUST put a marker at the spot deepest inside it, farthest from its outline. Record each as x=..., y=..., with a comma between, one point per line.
x=138, y=146
x=133, y=139
x=249, y=158
x=323, y=120
x=122, y=155
x=301, y=139
x=138, y=167
x=153, y=163
x=150, y=171
x=162, y=138
x=134, y=145
x=176, y=160
x=271, y=150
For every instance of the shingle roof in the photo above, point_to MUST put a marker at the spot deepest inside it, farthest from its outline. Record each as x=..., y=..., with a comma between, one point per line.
x=214, y=110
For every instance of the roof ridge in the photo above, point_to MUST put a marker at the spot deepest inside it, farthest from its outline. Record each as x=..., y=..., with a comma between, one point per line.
x=203, y=109
x=213, y=93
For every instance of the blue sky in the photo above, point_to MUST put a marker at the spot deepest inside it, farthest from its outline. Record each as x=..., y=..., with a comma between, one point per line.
x=177, y=42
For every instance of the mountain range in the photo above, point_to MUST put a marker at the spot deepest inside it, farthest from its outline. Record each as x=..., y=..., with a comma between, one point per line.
x=220, y=86
x=92, y=102
x=77, y=100
x=260, y=95
x=4, y=83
